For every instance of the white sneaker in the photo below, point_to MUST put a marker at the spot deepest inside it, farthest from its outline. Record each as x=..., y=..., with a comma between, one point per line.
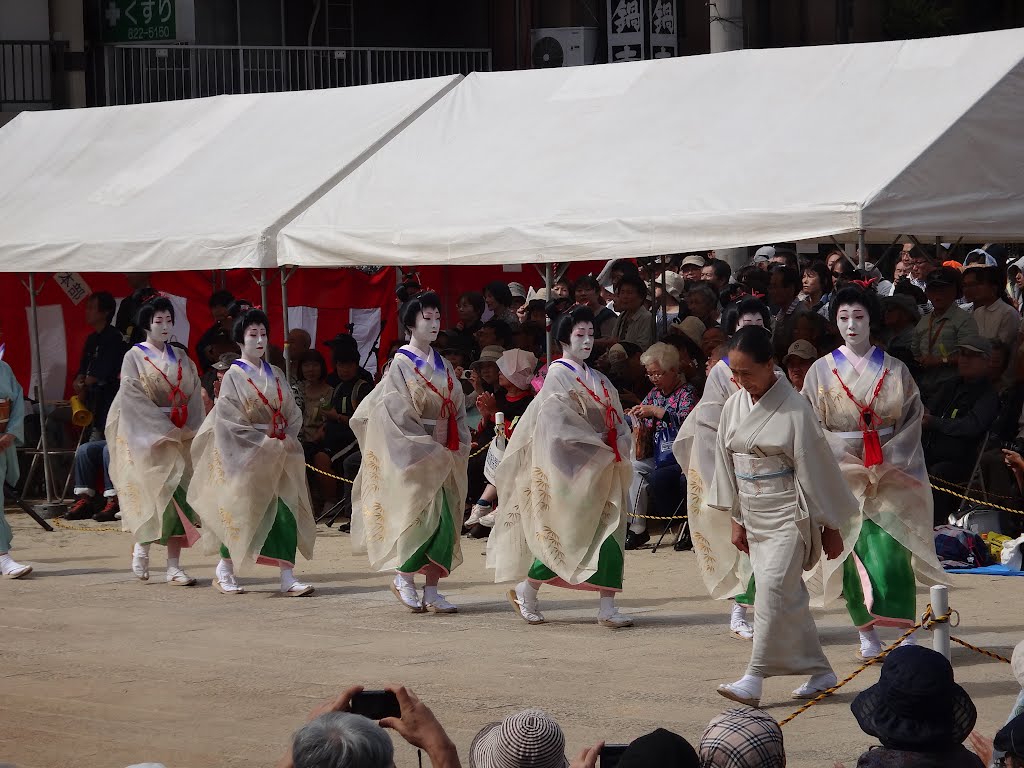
x=224, y=580
x=297, y=589
x=407, y=594
x=816, y=686
x=176, y=577
x=614, y=620
x=528, y=609
x=15, y=570
x=440, y=605
x=738, y=624
x=140, y=562
x=476, y=513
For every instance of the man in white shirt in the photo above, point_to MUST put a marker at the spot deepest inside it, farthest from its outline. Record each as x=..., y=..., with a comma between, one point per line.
x=997, y=320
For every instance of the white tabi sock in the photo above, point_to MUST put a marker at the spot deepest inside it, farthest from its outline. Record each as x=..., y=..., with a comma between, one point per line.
x=408, y=578
x=5, y=560
x=172, y=563
x=225, y=567
x=429, y=593
x=607, y=605
x=287, y=577
x=141, y=550
x=751, y=684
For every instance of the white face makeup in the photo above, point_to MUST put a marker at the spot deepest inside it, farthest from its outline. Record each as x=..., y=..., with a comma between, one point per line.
x=160, y=328
x=750, y=318
x=254, y=342
x=581, y=342
x=428, y=325
x=854, y=326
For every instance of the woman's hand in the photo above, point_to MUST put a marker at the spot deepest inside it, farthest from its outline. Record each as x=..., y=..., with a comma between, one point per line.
x=1013, y=460
x=487, y=405
x=474, y=379
x=739, y=538
x=831, y=543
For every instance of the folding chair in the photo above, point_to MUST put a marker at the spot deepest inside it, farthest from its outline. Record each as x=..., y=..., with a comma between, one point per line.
x=10, y=492
x=335, y=511
x=644, y=485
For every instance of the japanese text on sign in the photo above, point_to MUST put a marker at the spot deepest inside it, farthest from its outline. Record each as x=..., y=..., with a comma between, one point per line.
x=138, y=20
x=73, y=285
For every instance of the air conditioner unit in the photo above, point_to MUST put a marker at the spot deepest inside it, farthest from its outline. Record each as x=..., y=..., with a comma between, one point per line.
x=563, y=46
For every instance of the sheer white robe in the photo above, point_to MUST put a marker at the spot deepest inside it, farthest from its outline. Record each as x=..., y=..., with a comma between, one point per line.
x=149, y=456
x=407, y=472
x=241, y=472
x=562, y=491
x=895, y=494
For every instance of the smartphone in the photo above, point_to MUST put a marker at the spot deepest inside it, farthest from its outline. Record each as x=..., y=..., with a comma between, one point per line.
x=376, y=705
x=611, y=754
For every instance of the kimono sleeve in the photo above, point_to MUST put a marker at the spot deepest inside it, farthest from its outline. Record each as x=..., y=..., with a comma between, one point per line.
x=724, y=495
x=822, y=485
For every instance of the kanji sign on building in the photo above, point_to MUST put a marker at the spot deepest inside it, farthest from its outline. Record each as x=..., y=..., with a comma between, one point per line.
x=74, y=286
x=138, y=21
x=664, y=42
x=625, y=30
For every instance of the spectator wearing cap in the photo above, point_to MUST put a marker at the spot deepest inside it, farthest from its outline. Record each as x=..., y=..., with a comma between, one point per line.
x=901, y=316
x=997, y=319
x=498, y=298
x=511, y=398
x=957, y=418
x=527, y=739
x=797, y=362
x=742, y=738
x=691, y=268
x=660, y=415
x=918, y=713
x=784, y=294
x=938, y=336
x=763, y=257
x=785, y=257
x=635, y=323
x=716, y=273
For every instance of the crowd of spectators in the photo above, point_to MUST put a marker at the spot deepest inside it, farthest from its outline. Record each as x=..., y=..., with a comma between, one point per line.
x=659, y=329
x=916, y=713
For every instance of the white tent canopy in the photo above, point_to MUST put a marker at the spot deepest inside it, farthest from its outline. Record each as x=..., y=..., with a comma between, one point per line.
x=628, y=160
x=184, y=185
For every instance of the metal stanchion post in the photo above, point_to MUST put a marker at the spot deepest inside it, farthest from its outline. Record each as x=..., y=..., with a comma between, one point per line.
x=940, y=607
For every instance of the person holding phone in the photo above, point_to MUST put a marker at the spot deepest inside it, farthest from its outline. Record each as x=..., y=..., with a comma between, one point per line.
x=776, y=477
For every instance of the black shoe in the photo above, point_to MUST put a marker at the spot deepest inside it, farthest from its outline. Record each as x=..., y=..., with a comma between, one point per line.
x=479, y=532
x=636, y=540
x=683, y=544
x=345, y=528
x=82, y=509
x=109, y=513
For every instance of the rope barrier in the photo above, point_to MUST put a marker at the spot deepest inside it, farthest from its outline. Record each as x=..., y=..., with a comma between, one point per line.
x=928, y=621
x=319, y=471
x=977, y=501
x=57, y=522
x=960, y=487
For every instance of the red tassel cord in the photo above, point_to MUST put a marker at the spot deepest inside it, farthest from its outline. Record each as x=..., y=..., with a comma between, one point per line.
x=278, y=423
x=611, y=417
x=868, y=417
x=448, y=410
x=179, y=403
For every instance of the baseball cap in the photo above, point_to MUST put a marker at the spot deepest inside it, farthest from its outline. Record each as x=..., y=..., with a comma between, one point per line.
x=693, y=260
x=674, y=283
x=517, y=366
x=801, y=348
x=764, y=253
x=977, y=344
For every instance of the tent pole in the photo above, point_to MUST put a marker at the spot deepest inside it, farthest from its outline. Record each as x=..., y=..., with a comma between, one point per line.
x=862, y=256
x=263, y=290
x=549, y=284
x=285, y=276
x=51, y=508
x=654, y=304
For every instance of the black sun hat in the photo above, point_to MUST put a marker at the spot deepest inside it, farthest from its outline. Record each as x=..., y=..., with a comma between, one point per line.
x=916, y=705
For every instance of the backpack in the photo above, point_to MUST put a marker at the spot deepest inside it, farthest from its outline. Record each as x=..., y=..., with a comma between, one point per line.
x=957, y=548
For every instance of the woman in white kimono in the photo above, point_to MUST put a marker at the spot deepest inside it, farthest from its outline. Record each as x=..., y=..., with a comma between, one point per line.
x=12, y=435
x=150, y=427
x=409, y=495
x=777, y=479
x=870, y=409
x=249, y=485
x=564, y=485
x=725, y=570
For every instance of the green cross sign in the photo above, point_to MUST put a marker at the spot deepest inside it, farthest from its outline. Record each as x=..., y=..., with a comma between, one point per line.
x=138, y=21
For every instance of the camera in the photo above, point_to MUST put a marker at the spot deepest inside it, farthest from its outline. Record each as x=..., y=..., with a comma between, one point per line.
x=467, y=374
x=611, y=754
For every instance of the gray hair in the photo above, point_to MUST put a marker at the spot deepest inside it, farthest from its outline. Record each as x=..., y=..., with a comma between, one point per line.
x=342, y=740
x=707, y=291
x=665, y=355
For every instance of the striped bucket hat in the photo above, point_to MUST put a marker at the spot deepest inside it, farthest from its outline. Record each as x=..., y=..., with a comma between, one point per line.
x=527, y=739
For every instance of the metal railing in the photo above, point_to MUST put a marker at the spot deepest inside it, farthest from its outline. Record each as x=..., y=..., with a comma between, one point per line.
x=30, y=73
x=138, y=74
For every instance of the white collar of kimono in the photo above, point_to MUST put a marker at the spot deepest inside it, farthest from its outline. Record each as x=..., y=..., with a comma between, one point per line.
x=875, y=357
x=586, y=372
x=167, y=352
x=264, y=368
x=438, y=362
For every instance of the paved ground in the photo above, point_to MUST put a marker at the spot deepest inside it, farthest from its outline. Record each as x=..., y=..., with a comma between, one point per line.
x=98, y=669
